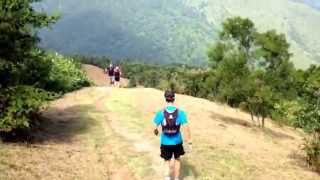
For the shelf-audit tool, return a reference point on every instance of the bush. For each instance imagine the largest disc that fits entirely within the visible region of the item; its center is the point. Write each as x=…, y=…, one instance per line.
x=38, y=77
x=285, y=112
x=308, y=118
x=35, y=70
x=19, y=106
x=312, y=151
x=65, y=74
x=27, y=72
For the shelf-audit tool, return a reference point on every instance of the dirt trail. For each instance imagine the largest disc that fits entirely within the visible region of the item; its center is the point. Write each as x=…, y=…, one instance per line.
x=139, y=143
x=106, y=133
x=98, y=76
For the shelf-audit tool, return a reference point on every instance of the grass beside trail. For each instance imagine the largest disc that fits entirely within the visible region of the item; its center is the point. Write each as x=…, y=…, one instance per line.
x=130, y=116
x=130, y=121
x=220, y=164
x=205, y=162
x=120, y=151
x=2, y=168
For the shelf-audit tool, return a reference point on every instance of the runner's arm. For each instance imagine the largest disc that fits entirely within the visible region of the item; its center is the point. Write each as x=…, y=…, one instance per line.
x=157, y=122
x=187, y=133
x=156, y=130
x=185, y=127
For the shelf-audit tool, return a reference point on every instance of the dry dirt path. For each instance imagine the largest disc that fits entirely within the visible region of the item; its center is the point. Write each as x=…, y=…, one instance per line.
x=98, y=76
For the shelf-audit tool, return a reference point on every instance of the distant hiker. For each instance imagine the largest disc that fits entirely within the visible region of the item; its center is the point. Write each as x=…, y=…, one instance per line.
x=110, y=71
x=170, y=120
x=117, y=76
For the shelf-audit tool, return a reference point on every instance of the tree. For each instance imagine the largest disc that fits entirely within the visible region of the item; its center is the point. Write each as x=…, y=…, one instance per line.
x=240, y=29
x=259, y=97
x=18, y=37
x=217, y=53
x=21, y=63
x=274, y=59
x=233, y=74
x=231, y=59
x=309, y=116
x=192, y=83
x=274, y=49
x=252, y=68
x=237, y=32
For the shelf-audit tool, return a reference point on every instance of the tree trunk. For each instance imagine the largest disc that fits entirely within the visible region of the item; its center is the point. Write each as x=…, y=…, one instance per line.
x=252, y=118
x=262, y=121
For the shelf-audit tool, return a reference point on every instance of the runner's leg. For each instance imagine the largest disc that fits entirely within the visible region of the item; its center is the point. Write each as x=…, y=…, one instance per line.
x=167, y=170
x=112, y=80
x=177, y=165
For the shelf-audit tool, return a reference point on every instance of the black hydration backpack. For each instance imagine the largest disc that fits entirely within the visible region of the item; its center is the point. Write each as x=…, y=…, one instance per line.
x=110, y=71
x=170, y=126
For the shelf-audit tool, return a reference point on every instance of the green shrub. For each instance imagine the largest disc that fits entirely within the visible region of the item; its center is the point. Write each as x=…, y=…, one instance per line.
x=8, y=73
x=285, y=112
x=308, y=118
x=65, y=74
x=19, y=106
x=164, y=84
x=312, y=151
x=34, y=71
x=46, y=73
x=132, y=83
x=27, y=72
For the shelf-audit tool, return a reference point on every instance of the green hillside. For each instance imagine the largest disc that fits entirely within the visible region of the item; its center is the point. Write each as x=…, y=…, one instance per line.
x=175, y=30
x=297, y=20
x=160, y=31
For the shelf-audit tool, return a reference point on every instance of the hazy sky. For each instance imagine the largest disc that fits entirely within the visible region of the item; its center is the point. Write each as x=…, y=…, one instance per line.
x=312, y=3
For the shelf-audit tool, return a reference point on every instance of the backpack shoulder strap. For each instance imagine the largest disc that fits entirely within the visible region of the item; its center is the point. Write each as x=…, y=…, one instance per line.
x=167, y=114
x=175, y=113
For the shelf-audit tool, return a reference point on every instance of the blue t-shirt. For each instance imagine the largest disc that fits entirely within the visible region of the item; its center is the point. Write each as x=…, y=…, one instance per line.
x=181, y=119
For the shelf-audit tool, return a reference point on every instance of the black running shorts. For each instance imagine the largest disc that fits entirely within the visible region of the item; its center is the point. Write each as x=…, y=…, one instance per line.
x=168, y=151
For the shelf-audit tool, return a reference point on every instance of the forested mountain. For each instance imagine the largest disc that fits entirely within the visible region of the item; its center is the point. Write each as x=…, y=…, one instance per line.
x=296, y=18
x=175, y=30
x=154, y=30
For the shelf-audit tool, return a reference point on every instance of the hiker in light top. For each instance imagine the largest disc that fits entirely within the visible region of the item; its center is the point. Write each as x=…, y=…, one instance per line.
x=170, y=120
x=117, y=76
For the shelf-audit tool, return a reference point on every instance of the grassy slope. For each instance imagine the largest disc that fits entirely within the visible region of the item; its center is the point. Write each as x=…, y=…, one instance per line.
x=101, y=133
x=225, y=146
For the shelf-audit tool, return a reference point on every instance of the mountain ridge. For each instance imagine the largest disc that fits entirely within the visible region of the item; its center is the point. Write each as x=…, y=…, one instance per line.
x=176, y=31
x=294, y=19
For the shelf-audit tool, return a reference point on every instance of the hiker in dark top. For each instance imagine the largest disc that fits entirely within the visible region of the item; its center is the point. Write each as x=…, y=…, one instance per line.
x=110, y=71
x=170, y=120
x=117, y=76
